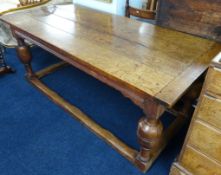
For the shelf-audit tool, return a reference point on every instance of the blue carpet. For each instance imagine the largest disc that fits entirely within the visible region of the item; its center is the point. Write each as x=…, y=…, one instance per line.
x=39, y=138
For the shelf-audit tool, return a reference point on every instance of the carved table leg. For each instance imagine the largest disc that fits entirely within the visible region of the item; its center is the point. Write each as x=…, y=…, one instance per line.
x=3, y=66
x=149, y=133
x=25, y=57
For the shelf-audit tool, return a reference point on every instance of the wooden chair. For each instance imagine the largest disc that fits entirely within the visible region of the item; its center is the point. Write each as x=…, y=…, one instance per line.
x=148, y=13
x=31, y=2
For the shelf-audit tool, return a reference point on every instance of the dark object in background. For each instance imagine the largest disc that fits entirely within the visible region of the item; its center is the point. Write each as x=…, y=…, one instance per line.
x=201, y=17
x=4, y=69
x=148, y=13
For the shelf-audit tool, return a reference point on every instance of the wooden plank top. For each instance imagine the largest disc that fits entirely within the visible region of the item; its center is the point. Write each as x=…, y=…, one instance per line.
x=155, y=61
x=201, y=18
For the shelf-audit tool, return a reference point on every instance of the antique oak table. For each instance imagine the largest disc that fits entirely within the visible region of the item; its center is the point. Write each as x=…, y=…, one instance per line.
x=156, y=68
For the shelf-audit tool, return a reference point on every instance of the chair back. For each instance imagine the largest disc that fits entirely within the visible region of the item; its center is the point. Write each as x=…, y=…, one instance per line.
x=148, y=13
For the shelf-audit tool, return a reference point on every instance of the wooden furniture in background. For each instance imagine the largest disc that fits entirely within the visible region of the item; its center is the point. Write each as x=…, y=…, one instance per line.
x=201, y=153
x=156, y=68
x=31, y=2
x=6, y=38
x=4, y=68
x=10, y=6
x=148, y=13
x=201, y=17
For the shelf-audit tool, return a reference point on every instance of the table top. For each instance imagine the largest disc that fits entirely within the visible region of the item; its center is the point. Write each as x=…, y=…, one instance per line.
x=155, y=61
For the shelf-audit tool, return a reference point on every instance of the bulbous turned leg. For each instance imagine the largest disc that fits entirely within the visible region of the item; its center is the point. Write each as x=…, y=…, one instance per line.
x=4, y=68
x=25, y=57
x=149, y=133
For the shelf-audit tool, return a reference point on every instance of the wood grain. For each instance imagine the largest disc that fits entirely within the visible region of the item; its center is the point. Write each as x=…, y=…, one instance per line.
x=214, y=82
x=142, y=56
x=210, y=111
x=197, y=163
x=50, y=69
x=210, y=146
x=146, y=63
x=121, y=147
x=201, y=18
x=201, y=152
x=176, y=169
x=216, y=61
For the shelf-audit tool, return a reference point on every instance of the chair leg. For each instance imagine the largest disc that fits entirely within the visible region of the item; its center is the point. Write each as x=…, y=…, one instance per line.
x=4, y=69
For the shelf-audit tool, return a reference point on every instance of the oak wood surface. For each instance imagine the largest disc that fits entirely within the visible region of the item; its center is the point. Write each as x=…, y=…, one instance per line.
x=120, y=146
x=210, y=146
x=201, y=152
x=214, y=82
x=153, y=66
x=146, y=58
x=152, y=140
x=198, y=17
x=176, y=169
x=198, y=163
x=217, y=61
x=210, y=111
